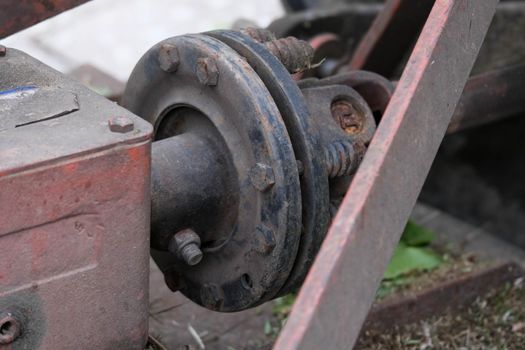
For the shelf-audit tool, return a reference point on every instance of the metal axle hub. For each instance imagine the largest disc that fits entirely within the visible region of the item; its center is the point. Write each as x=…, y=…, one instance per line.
x=247, y=167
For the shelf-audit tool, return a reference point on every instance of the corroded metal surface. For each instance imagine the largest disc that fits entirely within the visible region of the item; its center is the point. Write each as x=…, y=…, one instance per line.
x=74, y=243
x=304, y=135
x=21, y=14
x=249, y=222
x=340, y=287
x=244, y=159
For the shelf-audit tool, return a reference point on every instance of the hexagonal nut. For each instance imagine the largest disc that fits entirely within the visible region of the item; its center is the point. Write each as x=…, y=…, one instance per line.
x=262, y=177
x=168, y=56
x=183, y=238
x=185, y=244
x=264, y=239
x=121, y=124
x=207, y=71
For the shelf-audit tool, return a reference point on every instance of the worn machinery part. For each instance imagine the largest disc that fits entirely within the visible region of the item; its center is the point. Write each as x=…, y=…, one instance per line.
x=295, y=55
x=346, y=140
x=374, y=88
x=75, y=204
x=329, y=50
x=240, y=162
x=304, y=135
x=260, y=35
x=249, y=218
x=354, y=119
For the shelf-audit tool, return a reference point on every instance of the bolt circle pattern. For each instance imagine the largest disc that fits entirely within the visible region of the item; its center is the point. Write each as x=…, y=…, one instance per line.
x=245, y=115
x=304, y=135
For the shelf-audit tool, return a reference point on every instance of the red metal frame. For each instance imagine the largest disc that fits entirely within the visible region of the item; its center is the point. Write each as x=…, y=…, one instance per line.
x=340, y=288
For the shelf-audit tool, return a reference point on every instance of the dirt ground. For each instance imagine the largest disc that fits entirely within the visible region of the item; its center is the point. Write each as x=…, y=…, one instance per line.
x=180, y=324
x=496, y=321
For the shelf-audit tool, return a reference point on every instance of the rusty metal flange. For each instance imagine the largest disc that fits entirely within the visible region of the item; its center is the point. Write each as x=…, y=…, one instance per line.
x=304, y=134
x=209, y=92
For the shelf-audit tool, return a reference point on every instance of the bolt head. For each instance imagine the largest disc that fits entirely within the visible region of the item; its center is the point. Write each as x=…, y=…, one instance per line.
x=169, y=59
x=348, y=118
x=262, y=177
x=191, y=254
x=264, y=239
x=185, y=245
x=121, y=124
x=9, y=328
x=207, y=71
x=261, y=35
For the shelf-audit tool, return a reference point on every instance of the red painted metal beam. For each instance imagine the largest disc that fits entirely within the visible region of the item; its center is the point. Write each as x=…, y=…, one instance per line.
x=16, y=15
x=340, y=288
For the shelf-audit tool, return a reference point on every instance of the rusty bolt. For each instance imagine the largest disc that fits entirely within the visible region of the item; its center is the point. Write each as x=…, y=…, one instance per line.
x=9, y=328
x=120, y=124
x=168, y=57
x=347, y=117
x=185, y=244
x=207, y=71
x=260, y=35
x=264, y=239
x=3, y=50
x=295, y=55
x=262, y=177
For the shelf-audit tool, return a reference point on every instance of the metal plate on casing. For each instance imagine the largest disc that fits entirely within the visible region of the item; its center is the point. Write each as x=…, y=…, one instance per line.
x=38, y=104
x=303, y=133
x=26, y=105
x=256, y=259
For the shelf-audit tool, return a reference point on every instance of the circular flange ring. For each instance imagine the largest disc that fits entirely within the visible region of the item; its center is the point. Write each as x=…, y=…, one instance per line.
x=305, y=140
x=253, y=263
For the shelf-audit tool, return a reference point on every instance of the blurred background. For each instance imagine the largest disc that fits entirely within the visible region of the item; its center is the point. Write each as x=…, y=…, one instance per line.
x=113, y=34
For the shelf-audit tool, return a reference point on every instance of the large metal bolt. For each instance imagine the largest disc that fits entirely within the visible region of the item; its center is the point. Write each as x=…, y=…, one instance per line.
x=185, y=244
x=3, y=50
x=295, y=55
x=347, y=117
x=207, y=71
x=9, y=328
x=260, y=35
x=121, y=124
x=343, y=158
x=169, y=59
x=264, y=239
